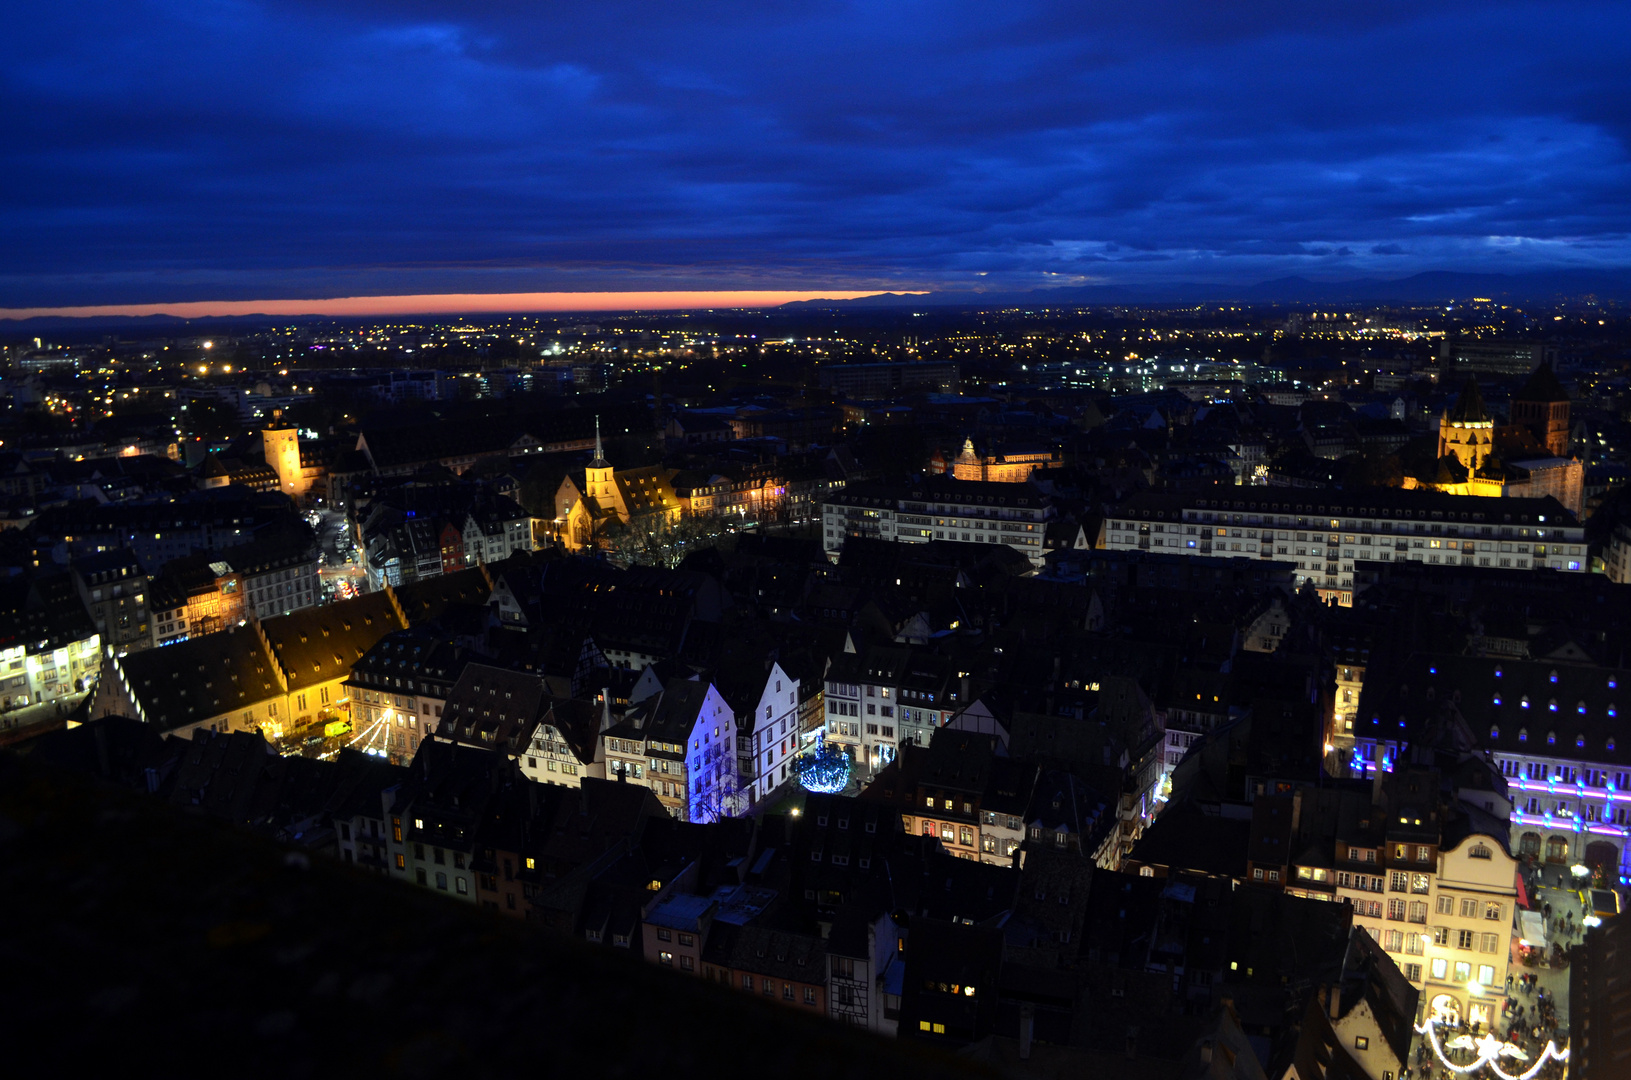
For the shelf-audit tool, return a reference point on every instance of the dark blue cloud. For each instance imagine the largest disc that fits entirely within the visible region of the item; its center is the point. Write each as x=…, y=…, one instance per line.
x=188, y=149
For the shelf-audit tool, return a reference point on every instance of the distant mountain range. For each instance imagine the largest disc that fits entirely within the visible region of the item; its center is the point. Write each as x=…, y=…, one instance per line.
x=1426, y=288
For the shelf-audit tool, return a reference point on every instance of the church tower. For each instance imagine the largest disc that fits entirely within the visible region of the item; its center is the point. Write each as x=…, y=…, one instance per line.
x=1465, y=430
x=598, y=476
x=1542, y=406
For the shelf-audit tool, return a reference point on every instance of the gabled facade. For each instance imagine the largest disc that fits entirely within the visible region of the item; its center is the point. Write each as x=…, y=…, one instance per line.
x=682, y=744
x=771, y=731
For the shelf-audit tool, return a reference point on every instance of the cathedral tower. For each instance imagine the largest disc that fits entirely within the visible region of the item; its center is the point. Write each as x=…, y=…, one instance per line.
x=1465, y=430
x=1542, y=406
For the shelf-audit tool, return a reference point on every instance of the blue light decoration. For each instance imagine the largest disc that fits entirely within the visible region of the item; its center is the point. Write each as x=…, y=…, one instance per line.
x=826, y=771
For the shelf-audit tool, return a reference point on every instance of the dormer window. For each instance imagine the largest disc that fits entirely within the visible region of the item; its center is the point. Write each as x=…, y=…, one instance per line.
x=1494, y=731
x=1551, y=738
x=1581, y=708
x=1523, y=734
x=1497, y=673
x=1580, y=742
x=1552, y=677
x=1524, y=704
x=1552, y=705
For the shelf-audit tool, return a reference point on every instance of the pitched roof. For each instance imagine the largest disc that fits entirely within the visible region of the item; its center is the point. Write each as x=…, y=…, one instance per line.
x=199, y=678
x=320, y=644
x=1542, y=386
x=1469, y=406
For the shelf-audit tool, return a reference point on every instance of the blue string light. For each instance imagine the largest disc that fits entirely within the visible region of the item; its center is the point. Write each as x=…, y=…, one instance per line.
x=825, y=772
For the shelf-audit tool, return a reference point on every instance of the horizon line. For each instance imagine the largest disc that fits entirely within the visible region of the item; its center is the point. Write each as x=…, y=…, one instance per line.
x=451, y=304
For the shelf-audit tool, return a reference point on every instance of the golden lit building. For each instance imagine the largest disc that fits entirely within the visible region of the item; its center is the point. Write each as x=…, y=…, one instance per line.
x=297, y=473
x=1466, y=433
x=632, y=496
x=194, y=595
x=1008, y=466
x=1523, y=459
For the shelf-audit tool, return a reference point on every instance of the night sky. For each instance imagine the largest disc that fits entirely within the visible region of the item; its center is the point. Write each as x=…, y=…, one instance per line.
x=203, y=150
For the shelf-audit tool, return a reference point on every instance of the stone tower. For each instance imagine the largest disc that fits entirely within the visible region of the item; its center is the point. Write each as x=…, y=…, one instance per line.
x=1542, y=406
x=1465, y=430
x=281, y=446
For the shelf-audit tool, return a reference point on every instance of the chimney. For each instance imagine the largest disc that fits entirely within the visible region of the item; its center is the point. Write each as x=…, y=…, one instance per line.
x=1027, y=1028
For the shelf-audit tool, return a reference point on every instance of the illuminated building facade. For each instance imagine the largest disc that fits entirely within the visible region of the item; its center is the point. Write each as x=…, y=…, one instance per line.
x=1325, y=532
x=1012, y=465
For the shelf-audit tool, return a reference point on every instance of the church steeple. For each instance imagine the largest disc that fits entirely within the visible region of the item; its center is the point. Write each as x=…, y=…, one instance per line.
x=600, y=454
x=598, y=476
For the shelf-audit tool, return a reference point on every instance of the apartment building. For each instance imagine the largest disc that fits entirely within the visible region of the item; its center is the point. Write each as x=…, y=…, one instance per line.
x=114, y=590
x=552, y=740
x=399, y=689
x=50, y=651
x=963, y=791
x=889, y=697
x=1617, y=554
x=1553, y=731
x=682, y=744
x=1326, y=532
x=1475, y=900
x=1429, y=880
x=770, y=734
x=1426, y=871
x=940, y=508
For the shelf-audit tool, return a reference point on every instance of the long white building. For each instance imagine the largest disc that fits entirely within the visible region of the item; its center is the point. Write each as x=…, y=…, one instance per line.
x=1326, y=532
x=939, y=508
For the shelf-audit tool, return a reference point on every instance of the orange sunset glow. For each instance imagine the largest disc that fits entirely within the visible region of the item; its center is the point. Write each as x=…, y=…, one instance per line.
x=447, y=303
